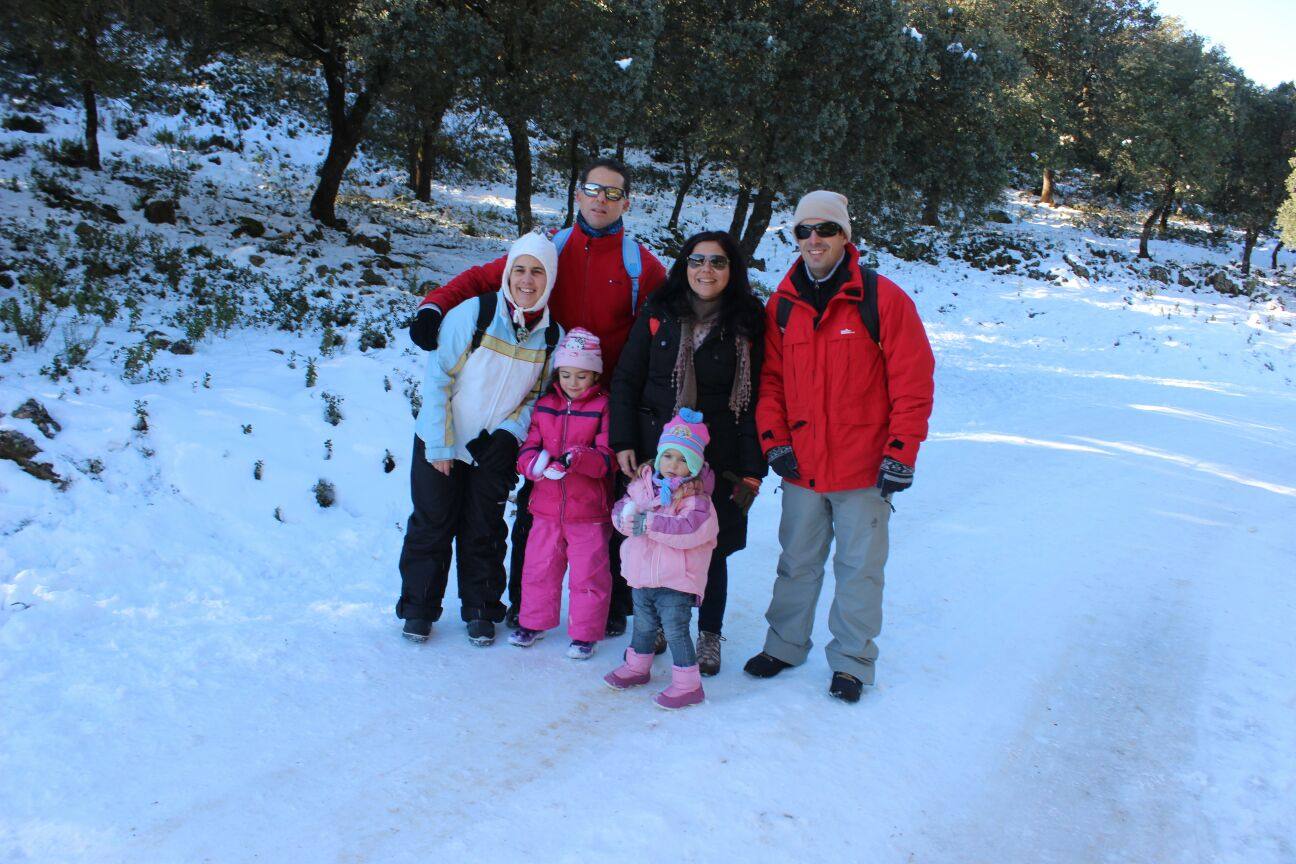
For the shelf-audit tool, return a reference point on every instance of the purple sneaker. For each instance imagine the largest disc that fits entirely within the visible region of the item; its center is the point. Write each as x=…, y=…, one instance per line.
x=685, y=689
x=524, y=638
x=636, y=670
x=580, y=650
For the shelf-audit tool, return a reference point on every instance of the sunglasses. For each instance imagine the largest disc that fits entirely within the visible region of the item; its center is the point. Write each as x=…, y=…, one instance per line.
x=717, y=262
x=823, y=229
x=611, y=193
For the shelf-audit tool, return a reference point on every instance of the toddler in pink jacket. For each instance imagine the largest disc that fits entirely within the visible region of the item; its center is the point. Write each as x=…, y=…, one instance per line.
x=566, y=453
x=671, y=528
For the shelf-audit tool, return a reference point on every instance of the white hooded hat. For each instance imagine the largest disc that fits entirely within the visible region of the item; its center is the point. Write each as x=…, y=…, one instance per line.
x=543, y=250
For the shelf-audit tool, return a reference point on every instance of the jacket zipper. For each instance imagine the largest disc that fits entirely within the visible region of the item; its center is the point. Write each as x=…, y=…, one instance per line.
x=562, y=442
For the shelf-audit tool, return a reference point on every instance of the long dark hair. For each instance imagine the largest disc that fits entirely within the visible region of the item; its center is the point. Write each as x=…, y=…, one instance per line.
x=738, y=311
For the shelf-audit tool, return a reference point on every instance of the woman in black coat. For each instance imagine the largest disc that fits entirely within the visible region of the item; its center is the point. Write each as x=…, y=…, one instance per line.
x=698, y=344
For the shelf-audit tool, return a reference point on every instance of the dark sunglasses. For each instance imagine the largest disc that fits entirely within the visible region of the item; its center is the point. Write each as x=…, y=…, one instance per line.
x=823, y=229
x=611, y=193
x=717, y=262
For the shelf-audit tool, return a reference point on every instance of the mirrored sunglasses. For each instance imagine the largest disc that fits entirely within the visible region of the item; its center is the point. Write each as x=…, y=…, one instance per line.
x=611, y=193
x=717, y=262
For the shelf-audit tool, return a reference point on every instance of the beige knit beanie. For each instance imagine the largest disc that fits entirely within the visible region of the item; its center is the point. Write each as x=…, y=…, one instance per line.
x=823, y=205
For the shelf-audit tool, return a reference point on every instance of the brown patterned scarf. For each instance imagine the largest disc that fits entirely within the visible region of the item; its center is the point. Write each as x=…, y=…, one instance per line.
x=693, y=331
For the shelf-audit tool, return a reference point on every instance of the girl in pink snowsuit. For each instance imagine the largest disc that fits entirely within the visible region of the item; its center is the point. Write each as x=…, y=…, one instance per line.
x=566, y=453
x=671, y=529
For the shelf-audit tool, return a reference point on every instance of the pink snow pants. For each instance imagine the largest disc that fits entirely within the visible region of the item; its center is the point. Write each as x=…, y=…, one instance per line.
x=551, y=547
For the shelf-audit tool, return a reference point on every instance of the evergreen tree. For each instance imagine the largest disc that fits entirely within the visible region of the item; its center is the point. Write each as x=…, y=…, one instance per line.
x=358, y=45
x=1287, y=213
x=1261, y=139
x=1074, y=49
x=951, y=150
x=90, y=48
x=795, y=124
x=1172, y=113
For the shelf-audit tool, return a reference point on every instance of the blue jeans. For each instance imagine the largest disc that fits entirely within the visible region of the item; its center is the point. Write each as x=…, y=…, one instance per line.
x=670, y=610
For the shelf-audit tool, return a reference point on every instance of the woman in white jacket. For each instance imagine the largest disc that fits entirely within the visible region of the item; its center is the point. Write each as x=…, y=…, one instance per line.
x=491, y=363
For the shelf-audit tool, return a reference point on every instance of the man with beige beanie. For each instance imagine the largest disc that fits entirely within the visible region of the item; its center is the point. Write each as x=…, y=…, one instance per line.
x=846, y=390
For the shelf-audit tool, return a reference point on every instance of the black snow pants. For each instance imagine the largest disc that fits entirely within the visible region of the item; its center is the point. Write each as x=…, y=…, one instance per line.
x=466, y=508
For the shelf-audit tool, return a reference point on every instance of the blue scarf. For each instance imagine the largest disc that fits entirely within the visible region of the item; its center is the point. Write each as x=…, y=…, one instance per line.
x=666, y=487
x=614, y=228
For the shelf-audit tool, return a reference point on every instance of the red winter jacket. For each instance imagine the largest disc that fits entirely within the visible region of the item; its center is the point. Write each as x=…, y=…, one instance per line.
x=839, y=399
x=560, y=426
x=592, y=291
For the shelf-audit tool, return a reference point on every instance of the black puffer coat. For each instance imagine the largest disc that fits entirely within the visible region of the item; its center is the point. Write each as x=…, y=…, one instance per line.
x=643, y=399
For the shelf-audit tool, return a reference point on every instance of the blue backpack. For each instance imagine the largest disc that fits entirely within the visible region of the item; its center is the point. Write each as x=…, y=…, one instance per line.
x=631, y=259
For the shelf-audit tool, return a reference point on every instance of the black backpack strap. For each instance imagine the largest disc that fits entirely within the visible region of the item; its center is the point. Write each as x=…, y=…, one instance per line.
x=551, y=338
x=783, y=312
x=868, y=307
x=485, y=312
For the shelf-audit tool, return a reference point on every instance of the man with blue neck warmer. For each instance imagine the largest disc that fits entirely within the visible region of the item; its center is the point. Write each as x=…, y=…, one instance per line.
x=593, y=290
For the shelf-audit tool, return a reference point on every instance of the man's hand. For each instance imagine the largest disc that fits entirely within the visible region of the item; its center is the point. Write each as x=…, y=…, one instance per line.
x=425, y=327
x=443, y=465
x=629, y=464
x=783, y=461
x=894, y=476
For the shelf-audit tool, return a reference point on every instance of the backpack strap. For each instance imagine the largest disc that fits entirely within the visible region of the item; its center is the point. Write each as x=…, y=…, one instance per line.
x=560, y=239
x=782, y=313
x=868, y=307
x=632, y=260
x=551, y=338
x=486, y=305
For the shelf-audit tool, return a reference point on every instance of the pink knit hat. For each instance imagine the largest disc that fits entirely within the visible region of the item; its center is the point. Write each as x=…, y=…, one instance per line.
x=687, y=434
x=579, y=349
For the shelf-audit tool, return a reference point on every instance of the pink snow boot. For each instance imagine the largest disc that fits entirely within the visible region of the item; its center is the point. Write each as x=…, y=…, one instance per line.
x=636, y=670
x=685, y=688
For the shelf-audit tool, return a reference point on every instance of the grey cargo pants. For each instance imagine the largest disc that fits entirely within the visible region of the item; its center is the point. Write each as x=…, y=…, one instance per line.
x=858, y=519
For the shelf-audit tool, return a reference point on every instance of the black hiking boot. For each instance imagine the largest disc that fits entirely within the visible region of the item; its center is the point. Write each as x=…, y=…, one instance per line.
x=481, y=632
x=417, y=629
x=846, y=687
x=511, y=619
x=765, y=666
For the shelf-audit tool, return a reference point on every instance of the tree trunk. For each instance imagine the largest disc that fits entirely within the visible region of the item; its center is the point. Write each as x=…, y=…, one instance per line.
x=413, y=163
x=1046, y=191
x=740, y=209
x=1167, y=198
x=346, y=129
x=1165, y=216
x=931, y=209
x=91, y=124
x=620, y=151
x=1273, y=262
x=573, y=175
x=689, y=177
x=762, y=210
x=521, y=139
x=426, y=162
x=1248, y=245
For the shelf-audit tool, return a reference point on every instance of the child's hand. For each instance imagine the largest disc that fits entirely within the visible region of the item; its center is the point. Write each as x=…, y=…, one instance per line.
x=555, y=471
x=537, y=467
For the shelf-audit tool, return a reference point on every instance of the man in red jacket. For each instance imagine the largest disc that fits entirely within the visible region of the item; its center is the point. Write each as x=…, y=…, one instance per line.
x=594, y=291
x=845, y=394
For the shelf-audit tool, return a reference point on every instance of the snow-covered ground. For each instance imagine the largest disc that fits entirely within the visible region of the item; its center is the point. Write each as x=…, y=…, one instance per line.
x=1087, y=657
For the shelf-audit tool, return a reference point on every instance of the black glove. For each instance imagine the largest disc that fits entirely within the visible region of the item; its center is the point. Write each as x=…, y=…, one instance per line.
x=496, y=450
x=894, y=476
x=783, y=461
x=425, y=327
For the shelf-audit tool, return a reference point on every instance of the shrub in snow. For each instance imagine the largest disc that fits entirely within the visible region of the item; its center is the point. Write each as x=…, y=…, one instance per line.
x=141, y=417
x=258, y=470
x=332, y=408
x=312, y=374
x=325, y=494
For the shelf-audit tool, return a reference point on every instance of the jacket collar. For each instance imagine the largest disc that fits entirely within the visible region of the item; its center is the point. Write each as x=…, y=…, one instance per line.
x=852, y=289
x=590, y=395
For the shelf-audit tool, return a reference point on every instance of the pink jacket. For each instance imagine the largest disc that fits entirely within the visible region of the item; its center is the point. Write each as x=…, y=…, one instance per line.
x=578, y=432
x=675, y=549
